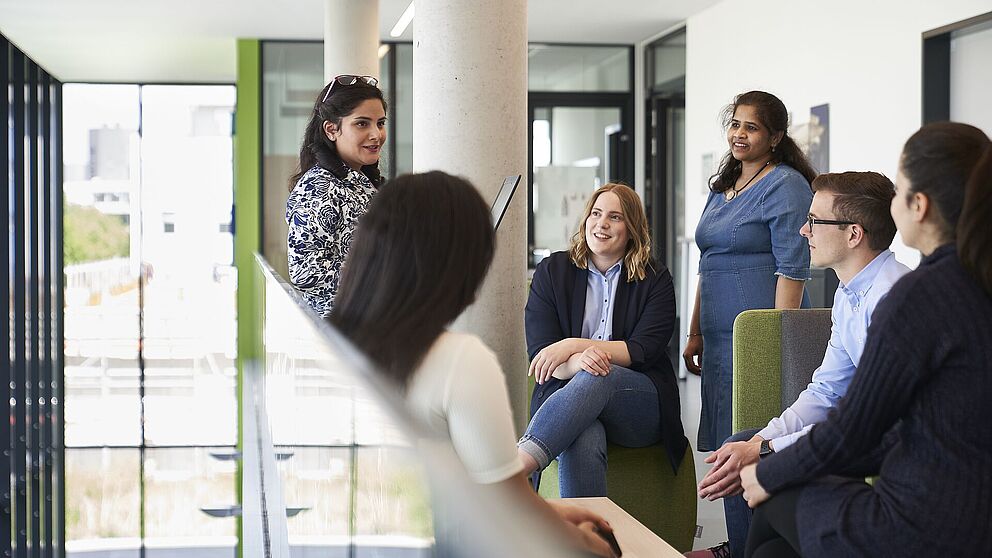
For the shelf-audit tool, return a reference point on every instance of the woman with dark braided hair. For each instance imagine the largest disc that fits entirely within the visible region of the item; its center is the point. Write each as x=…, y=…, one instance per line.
x=337, y=177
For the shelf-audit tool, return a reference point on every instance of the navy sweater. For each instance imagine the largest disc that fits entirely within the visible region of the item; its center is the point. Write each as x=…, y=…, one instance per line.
x=924, y=384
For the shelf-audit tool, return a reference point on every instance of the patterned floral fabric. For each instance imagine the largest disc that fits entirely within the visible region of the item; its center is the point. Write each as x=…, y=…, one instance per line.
x=322, y=212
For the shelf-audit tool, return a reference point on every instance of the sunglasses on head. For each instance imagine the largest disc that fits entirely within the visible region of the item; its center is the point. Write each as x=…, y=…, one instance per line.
x=348, y=79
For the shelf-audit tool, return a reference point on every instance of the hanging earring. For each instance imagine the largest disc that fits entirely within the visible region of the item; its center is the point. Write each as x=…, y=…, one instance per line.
x=773, y=149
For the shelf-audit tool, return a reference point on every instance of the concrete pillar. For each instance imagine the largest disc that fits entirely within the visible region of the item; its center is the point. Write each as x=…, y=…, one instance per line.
x=351, y=38
x=470, y=119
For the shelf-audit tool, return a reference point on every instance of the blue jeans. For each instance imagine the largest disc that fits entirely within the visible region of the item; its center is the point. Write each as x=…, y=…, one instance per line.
x=576, y=421
x=735, y=508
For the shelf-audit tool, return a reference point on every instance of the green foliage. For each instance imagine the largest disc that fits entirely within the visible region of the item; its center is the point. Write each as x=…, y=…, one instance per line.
x=91, y=235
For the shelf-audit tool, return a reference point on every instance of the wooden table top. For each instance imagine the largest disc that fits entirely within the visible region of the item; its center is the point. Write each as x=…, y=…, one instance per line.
x=636, y=540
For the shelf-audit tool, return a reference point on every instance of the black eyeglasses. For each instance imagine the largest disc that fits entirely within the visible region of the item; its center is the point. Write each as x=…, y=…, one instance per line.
x=348, y=79
x=810, y=220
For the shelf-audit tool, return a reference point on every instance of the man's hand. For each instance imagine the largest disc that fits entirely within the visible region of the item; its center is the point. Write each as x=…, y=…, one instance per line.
x=754, y=493
x=549, y=358
x=724, y=479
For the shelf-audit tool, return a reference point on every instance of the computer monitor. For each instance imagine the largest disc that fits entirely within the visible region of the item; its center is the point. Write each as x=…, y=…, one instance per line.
x=502, y=200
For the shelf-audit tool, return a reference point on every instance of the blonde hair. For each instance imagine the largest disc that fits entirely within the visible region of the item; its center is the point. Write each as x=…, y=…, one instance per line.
x=637, y=257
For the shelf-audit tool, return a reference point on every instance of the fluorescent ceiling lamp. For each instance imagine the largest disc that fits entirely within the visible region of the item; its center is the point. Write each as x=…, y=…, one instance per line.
x=402, y=22
x=383, y=50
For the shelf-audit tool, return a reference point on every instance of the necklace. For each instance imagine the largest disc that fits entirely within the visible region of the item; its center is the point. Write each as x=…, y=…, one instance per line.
x=731, y=194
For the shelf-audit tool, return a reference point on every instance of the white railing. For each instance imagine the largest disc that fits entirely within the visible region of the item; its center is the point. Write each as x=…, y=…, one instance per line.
x=97, y=277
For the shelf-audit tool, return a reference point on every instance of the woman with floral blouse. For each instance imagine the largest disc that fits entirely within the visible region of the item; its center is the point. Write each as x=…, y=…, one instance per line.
x=338, y=175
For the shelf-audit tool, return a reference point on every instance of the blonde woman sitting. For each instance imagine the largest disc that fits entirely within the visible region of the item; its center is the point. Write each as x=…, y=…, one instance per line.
x=598, y=321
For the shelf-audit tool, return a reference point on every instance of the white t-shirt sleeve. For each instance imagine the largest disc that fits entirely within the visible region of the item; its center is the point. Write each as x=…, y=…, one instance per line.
x=480, y=421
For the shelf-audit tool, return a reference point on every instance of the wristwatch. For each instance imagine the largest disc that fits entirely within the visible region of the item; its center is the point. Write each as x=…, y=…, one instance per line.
x=766, y=449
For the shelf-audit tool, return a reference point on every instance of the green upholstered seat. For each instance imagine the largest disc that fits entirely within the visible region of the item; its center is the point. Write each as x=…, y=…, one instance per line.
x=641, y=481
x=775, y=355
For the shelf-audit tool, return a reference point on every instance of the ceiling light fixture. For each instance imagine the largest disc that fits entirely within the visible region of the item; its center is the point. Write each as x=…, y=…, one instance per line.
x=402, y=22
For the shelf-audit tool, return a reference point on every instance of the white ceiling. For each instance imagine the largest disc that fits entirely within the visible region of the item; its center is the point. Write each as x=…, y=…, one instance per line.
x=194, y=40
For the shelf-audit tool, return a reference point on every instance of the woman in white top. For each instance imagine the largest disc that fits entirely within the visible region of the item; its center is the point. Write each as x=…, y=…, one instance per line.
x=419, y=256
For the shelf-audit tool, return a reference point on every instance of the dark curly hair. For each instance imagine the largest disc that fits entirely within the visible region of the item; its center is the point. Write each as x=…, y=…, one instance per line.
x=773, y=114
x=316, y=148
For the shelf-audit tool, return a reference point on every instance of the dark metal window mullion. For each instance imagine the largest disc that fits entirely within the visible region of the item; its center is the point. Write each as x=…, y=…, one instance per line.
x=141, y=322
x=32, y=405
x=47, y=368
x=5, y=278
x=20, y=497
x=58, y=387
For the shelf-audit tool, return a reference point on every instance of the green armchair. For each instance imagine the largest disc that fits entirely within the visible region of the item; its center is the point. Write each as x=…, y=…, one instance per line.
x=641, y=481
x=775, y=355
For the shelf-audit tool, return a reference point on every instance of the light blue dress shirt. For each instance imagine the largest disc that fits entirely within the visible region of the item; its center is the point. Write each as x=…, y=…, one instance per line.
x=601, y=294
x=854, y=304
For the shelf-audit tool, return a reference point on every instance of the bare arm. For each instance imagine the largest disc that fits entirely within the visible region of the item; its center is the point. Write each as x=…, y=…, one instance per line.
x=694, y=320
x=619, y=354
x=574, y=347
x=788, y=293
x=693, y=354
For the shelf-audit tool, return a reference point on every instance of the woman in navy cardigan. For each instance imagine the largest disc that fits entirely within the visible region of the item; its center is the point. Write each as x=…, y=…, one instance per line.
x=598, y=322
x=917, y=413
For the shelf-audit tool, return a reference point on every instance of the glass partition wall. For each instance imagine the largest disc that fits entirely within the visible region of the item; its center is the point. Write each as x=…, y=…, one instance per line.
x=581, y=129
x=292, y=75
x=664, y=187
x=581, y=135
x=336, y=467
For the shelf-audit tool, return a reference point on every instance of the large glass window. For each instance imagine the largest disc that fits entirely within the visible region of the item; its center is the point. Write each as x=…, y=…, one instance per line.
x=102, y=265
x=188, y=301
x=581, y=131
x=149, y=319
x=664, y=188
x=571, y=149
x=666, y=65
x=578, y=68
x=581, y=140
x=971, y=75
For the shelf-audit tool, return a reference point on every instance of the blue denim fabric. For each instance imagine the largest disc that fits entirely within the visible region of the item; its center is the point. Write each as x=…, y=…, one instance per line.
x=744, y=245
x=577, y=420
x=735, y=508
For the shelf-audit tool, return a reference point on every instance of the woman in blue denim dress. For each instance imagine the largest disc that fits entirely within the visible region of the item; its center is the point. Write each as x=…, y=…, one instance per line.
x=751, y=253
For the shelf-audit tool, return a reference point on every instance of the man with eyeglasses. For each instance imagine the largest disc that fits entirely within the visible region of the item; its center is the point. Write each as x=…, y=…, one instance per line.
x=849, y=229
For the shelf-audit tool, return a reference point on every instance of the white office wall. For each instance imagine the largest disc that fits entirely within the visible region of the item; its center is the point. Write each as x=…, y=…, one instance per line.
x=864, y=58
x=971, y=77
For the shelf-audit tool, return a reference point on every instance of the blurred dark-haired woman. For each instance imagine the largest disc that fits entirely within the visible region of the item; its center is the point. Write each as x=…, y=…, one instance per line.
x=337, y=177
x=750, y=254
x=420, y=255
x=917, y=413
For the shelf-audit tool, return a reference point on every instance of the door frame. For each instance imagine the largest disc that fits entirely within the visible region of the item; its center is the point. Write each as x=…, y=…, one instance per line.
x=550, y=100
